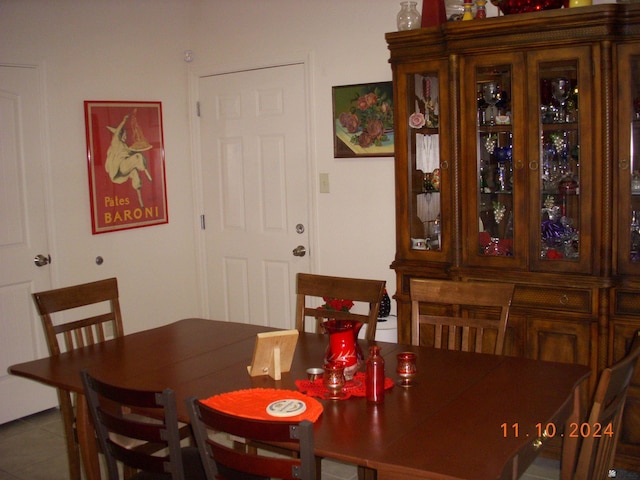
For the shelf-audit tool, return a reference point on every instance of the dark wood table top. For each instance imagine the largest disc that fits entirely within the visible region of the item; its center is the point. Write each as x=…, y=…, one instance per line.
x=447, y=426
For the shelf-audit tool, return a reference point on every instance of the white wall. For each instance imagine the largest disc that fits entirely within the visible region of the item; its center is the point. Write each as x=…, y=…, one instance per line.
x=112, y=50
x=133, y=50
x=344, y=40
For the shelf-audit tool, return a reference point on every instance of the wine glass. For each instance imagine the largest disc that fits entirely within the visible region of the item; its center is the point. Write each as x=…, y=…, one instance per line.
x=491, y=95
x=560, y=92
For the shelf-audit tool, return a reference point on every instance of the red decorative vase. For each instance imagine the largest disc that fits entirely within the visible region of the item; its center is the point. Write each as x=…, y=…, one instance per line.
x=508, y=7
x=433, y=13
x=343, y=345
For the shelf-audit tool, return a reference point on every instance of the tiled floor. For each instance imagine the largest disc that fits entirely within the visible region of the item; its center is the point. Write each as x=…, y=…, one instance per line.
x=33, y=448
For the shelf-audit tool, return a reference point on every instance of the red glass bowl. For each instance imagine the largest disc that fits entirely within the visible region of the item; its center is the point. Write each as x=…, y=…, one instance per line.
x=507, y=7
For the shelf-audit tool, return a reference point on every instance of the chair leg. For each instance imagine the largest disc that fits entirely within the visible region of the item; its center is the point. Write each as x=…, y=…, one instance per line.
x=73, y=451
x=365, y=473
x=318, y=468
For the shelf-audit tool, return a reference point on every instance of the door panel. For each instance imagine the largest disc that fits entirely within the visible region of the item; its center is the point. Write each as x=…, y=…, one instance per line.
x=23, y=235
x=253, y=128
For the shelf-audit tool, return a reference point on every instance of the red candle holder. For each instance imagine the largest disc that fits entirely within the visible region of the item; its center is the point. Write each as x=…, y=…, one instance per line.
x=406, y=368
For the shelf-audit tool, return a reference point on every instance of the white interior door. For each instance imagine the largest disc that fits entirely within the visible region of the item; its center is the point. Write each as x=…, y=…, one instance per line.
x=253, y=127
x=23, y=235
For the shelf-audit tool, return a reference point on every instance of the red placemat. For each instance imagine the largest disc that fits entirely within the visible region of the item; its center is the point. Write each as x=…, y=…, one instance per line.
x=253, y=403
x=354, y=387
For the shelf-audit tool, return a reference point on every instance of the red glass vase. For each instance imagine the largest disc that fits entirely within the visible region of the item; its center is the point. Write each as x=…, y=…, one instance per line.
x=343, y=345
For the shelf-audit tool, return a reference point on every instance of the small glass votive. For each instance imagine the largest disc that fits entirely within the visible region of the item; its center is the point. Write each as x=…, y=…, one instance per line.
x=334, y=380
x=406, y=368
x=315, y=373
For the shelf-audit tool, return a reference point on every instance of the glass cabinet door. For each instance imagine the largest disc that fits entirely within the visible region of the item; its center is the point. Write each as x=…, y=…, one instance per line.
x=560, y=165
x=428, y=165
x=493, y=161
x=628, y=189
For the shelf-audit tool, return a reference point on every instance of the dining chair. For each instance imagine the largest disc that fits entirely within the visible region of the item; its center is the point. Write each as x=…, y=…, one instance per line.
x=355, y=289
x=597, y=452
x=467, y=316
x=223, y=460
x=78, y=329
x=149, y=443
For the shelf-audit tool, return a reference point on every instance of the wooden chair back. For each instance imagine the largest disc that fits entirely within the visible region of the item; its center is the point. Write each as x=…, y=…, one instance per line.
x=227, y=462
x=81, y=331
x=598, y=449
x=117, y=429
x=77, y=333
x=465, y=312
x=354, y=289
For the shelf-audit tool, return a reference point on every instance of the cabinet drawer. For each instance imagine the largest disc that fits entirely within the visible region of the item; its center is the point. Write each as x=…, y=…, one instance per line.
x=627, y=302
x=565, y=299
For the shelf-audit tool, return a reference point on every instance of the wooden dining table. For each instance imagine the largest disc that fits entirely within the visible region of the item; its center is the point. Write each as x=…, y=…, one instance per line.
x=468, y=416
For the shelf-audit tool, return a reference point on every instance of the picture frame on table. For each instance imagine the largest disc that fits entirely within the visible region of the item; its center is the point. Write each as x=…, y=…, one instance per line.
x=363, y=120
x=126, y=164
x=273, y=353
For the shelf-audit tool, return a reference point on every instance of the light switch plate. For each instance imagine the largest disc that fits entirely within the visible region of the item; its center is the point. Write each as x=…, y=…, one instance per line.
x=324, y=183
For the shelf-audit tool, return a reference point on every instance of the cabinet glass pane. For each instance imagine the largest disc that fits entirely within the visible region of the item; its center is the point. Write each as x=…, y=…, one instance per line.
x=559, y=180
x=424, y=150
x=495, y=161
x=634, y=121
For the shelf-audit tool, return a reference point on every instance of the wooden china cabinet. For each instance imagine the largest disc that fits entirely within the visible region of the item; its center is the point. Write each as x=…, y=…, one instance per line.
x=517, y=143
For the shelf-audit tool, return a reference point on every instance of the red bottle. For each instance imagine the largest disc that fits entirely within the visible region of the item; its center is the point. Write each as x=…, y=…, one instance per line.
x=374, y=383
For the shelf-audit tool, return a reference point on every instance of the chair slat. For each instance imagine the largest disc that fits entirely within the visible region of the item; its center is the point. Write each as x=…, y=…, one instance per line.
x=309, y=286
x=64, y=302
x=464, y=331
x=597, y=453
x=224, y=463
x=147, y=439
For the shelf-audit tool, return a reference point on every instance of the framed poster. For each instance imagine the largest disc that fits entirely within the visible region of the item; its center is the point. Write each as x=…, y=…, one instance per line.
x=125, y=155
x=363, y=120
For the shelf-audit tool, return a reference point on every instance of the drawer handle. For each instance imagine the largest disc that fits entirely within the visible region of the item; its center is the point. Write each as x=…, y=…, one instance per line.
x=564, y=299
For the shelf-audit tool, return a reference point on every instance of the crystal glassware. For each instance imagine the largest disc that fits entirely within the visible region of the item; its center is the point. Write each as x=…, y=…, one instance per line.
x=491, y=95
x=560, y=92
x=408, y=17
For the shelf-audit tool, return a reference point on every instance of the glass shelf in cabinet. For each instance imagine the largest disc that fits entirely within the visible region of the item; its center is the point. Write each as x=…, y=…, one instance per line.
x=495, y=128
x=560, y=127
x=495, y=192
x=426, y=130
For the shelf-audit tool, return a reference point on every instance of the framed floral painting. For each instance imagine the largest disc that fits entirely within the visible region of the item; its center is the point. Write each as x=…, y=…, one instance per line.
x=125, y=155
x=363, y=120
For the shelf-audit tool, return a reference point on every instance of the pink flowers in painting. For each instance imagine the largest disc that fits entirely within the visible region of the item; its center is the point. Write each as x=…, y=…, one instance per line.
x=369, y=117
